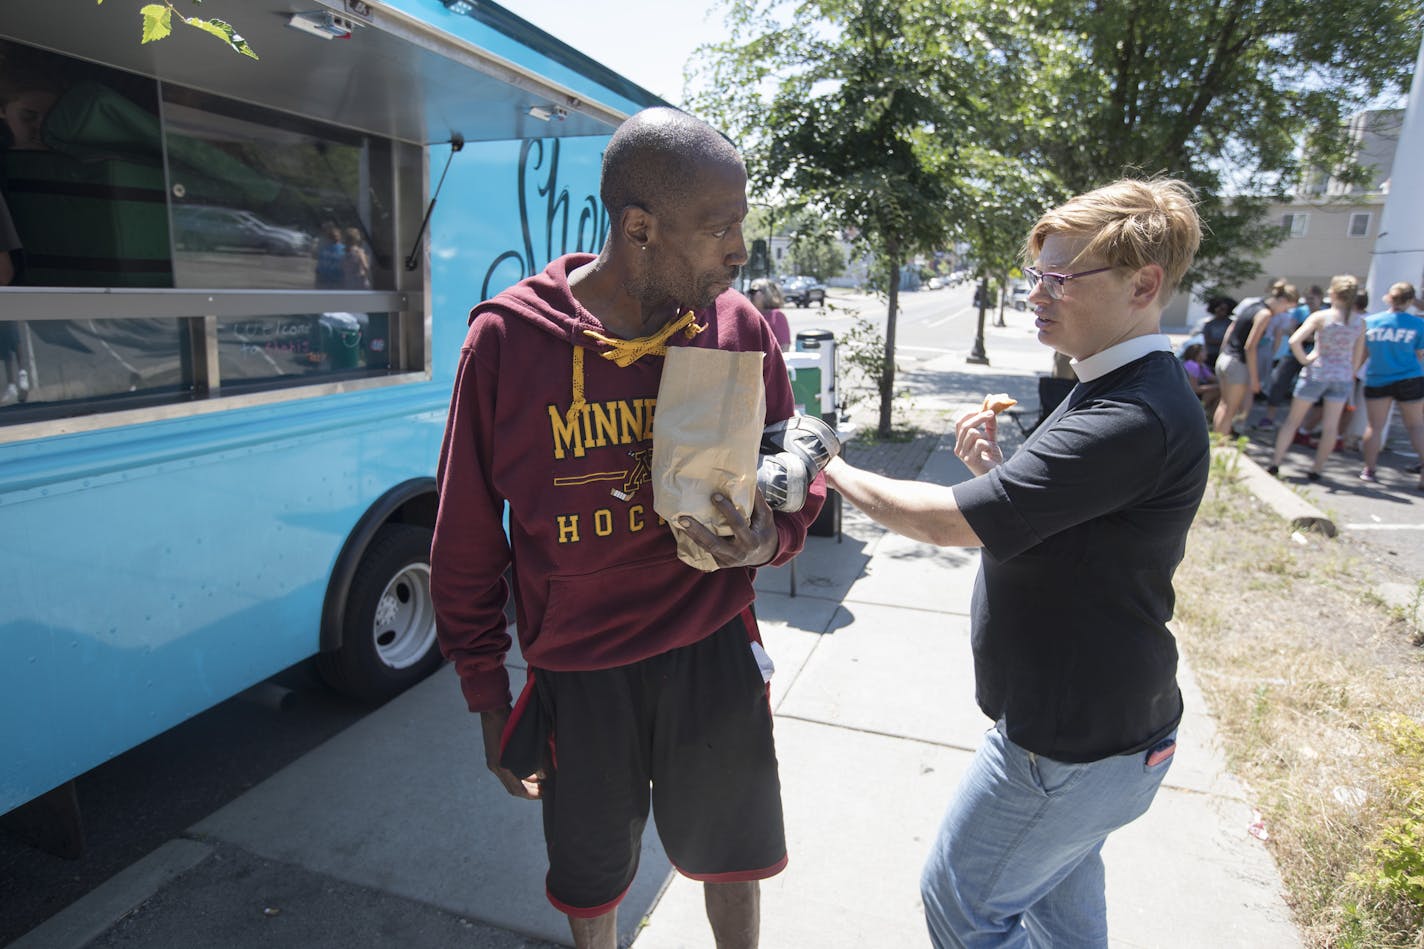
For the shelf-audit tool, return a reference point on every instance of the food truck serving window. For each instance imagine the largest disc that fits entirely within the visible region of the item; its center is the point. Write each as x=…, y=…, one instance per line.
x=237, y=248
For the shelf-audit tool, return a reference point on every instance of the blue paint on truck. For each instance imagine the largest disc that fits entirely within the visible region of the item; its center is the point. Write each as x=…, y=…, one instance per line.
x=218, y=464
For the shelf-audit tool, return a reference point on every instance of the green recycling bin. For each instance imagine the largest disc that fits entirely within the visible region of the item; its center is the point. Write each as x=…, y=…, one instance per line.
x=805, y=372
x=339, y=340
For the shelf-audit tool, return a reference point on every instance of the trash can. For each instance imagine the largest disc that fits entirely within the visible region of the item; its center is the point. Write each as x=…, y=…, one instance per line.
x=822, y=344
x=805, y=372
x=339, y=340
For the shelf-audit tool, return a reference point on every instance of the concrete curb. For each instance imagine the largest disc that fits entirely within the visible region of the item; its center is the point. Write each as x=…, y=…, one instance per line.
x=1301, y=514
x=91, y=916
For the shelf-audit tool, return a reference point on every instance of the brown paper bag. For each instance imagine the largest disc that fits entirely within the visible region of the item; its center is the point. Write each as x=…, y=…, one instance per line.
x=709, y=419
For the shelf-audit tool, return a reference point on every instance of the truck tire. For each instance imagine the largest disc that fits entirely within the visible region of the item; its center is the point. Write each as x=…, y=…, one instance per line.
x=388, y=635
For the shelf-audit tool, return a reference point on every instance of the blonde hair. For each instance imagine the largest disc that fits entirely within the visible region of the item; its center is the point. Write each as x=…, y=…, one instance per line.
x=1343, y=288
x=1401, y=293
x=1281, y=290
x=1129, y=223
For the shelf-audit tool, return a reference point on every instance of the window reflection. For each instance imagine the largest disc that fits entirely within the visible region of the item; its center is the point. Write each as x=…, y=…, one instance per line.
x=81, y=167
x=276, y=202
x=268, y=349
x=69, y=360
x=111, y=179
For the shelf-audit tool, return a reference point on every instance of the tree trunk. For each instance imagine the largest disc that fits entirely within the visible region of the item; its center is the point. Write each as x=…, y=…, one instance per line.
x=887, y=371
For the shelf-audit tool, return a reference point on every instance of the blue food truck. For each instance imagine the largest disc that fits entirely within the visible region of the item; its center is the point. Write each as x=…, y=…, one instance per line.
x=229, y=326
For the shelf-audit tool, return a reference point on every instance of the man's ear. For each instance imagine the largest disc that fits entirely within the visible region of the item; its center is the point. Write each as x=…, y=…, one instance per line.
x=636, y=225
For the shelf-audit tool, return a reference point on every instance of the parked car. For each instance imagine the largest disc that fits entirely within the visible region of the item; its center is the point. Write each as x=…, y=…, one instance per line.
x=803, y=291
x=202, y=227
x=1018, y=296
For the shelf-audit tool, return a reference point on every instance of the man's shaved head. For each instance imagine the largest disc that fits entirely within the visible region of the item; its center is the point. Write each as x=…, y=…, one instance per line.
x=654, y=158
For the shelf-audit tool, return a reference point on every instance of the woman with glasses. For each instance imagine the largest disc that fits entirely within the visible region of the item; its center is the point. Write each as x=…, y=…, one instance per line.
x=1081, y=531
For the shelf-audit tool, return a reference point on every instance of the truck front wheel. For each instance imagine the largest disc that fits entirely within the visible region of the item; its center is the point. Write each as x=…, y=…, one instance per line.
x=388, y=637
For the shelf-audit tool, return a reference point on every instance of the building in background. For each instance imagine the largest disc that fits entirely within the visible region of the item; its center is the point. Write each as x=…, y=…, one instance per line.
x=1330, y=225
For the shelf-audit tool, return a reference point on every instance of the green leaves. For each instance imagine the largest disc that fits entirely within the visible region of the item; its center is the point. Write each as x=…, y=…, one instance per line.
x=157, y=20
x=223, y=31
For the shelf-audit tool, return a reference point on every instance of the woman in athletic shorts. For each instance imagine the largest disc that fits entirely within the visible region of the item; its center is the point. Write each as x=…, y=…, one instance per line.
x=1395, y=340
x=1236, y=368
x=1328, y=371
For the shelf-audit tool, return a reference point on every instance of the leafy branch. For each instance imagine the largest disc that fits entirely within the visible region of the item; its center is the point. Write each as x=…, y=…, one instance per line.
x=158, y=23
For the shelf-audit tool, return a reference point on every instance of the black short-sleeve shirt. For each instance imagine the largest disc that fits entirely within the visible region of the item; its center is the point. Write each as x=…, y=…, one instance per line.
x=1082, y=530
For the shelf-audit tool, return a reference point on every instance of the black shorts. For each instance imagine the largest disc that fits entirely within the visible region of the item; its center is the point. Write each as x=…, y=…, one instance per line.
x=1405, y=390
x=1282, y=384
x=693, y=726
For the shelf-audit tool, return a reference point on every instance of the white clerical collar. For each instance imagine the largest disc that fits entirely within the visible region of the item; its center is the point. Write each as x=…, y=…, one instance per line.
x=1118, y=355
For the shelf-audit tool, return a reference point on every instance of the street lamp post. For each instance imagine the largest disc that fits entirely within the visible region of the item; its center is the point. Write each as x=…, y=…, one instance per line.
x=977, y=356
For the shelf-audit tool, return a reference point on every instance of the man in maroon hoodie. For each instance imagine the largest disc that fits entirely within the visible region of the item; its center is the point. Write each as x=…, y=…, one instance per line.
x=644, y=672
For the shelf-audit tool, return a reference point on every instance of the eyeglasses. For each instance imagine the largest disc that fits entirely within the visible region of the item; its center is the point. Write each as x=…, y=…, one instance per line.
x=1053, y=282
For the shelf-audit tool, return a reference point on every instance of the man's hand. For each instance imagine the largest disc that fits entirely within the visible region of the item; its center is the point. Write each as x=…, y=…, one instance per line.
x=751, y=544
x=492, y=725
x=977, y=441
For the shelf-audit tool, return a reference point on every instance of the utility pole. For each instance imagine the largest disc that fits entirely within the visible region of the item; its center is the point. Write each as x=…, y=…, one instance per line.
x=1399, y=249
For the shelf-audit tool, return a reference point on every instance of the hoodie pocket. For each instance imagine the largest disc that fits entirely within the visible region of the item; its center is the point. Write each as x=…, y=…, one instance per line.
x=590, y=619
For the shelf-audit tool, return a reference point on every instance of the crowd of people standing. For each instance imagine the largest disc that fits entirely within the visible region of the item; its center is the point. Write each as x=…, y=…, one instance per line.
x=1337, y=368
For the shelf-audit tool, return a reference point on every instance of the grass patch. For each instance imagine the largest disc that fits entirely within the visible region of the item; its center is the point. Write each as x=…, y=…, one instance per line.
x=1317, y=688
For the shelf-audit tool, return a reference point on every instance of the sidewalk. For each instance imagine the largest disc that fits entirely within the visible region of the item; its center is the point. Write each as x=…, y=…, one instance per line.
x=392, y=833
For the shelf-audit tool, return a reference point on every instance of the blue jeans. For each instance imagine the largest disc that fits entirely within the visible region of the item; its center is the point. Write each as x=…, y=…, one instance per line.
x=1018, y=859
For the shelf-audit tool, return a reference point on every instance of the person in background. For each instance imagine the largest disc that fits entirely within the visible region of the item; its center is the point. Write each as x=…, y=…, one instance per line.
x=1287, y=367
x=1327, y=372
x=1395, y=341
x=645, y=683
x=1213, y=331
x=356, y=261
x=1238, y=368
x=1081, y=531
x=330, y=258
x=1202, y=381
x=766, y=297
x=25, y=101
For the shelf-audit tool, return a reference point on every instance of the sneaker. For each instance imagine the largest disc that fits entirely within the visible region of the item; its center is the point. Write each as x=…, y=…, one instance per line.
x=1273, y=470
x=1301, y=438
x=1266, y=424
x=1368, y=474
x=11, y=394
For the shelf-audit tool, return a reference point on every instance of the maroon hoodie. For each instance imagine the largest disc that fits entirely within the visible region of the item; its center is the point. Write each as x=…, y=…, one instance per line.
x=567, y=440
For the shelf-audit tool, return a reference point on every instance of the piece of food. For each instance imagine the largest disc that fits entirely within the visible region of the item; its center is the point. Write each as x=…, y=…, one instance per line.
x=998, y=402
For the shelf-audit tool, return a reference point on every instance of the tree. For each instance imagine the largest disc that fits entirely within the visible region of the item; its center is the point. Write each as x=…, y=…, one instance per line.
x=813, y=248
x=158, y=23
x=996, y=200
x=848, y=130
x=1243, y=99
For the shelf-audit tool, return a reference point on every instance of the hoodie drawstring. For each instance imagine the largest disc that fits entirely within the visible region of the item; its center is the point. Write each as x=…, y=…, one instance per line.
x=625, y=352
